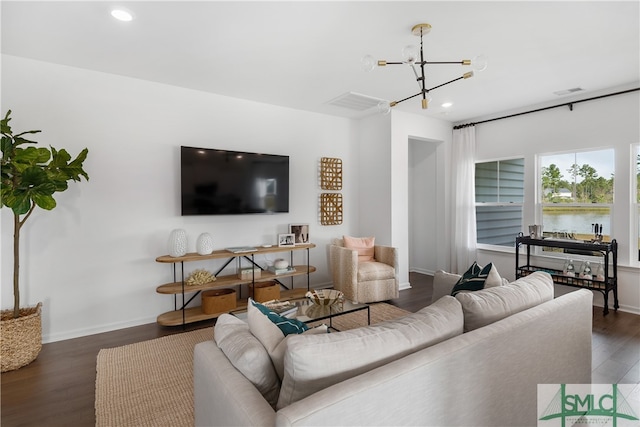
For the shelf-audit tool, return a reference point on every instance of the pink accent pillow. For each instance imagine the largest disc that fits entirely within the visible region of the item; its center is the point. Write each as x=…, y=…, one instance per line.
x=364, y=246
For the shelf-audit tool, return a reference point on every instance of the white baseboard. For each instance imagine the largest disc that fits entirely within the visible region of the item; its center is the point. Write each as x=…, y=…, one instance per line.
x=422, y=271
x=83, y=332
x=625, y=308
x=404, y=286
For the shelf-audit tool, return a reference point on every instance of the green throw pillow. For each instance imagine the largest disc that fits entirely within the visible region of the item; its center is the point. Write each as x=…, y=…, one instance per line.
x=473, y=279
x=286, y=325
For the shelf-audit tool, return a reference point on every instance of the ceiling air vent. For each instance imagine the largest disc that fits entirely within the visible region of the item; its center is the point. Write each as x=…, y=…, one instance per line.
x=568, y=91
x=355, y=101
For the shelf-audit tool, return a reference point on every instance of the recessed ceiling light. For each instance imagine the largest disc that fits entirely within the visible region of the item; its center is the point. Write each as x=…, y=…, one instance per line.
x=447, y=104
x=122, y=15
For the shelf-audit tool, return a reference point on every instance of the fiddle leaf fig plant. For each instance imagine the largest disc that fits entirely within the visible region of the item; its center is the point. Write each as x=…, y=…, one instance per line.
x=30, y=177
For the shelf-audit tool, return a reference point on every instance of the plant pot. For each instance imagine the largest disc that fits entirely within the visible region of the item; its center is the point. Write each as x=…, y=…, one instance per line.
x=21, y=338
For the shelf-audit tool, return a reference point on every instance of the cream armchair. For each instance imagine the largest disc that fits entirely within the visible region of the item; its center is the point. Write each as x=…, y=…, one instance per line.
x=367, y=281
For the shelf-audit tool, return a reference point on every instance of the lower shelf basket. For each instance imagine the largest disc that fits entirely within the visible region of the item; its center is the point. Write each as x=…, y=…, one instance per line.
x=218, y=300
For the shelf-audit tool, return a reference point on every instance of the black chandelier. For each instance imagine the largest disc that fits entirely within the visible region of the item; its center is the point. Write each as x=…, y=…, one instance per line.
x=410, y=57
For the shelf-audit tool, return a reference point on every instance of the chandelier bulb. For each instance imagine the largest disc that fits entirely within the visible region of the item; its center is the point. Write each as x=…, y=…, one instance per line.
x=384, y=107
x=479, y=63
x=410, y=54
x=368, y=63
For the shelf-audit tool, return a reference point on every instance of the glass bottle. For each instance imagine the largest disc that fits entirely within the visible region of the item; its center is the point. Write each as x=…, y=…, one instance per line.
x=569, y=268
x=587, y=273
x=600, y=272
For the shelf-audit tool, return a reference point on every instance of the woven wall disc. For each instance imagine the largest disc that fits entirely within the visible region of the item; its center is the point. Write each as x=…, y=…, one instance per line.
x=330, y=208
x=330, y=173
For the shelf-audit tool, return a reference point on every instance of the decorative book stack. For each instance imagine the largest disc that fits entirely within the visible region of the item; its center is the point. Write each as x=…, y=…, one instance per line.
x=278, y=271
x=282, y=308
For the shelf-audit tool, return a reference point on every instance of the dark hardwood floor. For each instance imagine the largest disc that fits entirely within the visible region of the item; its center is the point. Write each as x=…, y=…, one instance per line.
x=58, y=388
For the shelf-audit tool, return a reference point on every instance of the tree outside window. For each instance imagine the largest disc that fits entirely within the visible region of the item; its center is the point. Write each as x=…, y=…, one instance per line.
x=577, y=194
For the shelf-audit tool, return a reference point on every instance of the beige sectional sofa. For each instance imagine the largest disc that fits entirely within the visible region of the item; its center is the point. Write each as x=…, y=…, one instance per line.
x=472, y=360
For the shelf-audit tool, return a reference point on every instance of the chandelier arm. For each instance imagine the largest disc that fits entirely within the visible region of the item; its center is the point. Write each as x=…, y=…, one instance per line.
x=409, y=97
x=445, y=62
x=463, y=62
x=421, y=86
x=422, y=64
x=444, y=84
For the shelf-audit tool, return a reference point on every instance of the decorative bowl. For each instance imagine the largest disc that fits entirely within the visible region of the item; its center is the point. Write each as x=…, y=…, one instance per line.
x=324, y=296
x=280, y=264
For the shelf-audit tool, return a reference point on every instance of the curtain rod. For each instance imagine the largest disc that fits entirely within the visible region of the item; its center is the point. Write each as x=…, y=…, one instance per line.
x=566, y=104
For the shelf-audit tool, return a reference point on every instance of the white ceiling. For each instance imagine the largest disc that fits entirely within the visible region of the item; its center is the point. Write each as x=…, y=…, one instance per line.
x=304, y=54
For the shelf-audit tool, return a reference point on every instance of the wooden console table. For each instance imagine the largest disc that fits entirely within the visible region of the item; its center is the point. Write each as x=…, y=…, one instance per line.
x=183, y=315
x=608, y=250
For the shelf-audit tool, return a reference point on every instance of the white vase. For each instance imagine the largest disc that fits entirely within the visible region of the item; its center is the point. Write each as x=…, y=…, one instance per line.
x=204, y=244
x=178, y=243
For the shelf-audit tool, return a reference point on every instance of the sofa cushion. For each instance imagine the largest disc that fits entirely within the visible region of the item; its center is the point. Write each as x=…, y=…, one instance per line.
x=374, y=270
x=277, y=355
x=313, y=363
x=271, y=336
x=492, y=304
x=247, y=355
x=364, y=246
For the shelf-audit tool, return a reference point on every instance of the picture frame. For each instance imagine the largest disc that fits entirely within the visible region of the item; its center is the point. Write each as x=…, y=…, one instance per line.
x=286, y=240
x=301, y=233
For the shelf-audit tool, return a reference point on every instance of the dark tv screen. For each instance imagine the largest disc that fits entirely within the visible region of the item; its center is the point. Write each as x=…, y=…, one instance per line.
x=221, y=182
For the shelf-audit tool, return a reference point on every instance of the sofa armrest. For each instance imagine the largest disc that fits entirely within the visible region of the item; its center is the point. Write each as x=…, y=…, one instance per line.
x=344, y=268
x=387, y=255
x=222, y=395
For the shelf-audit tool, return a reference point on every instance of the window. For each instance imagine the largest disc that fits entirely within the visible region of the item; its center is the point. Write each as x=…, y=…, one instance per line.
x=576, y=194
x=499, y=188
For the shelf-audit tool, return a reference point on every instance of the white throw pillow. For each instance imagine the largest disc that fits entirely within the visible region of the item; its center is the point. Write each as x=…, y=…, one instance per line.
x=492, y=304
x=264, y=329
x=313, y=363
x=493, y=279
x=247, y=355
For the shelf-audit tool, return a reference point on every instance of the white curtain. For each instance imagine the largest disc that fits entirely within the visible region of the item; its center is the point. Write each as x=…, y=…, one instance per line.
x=463, y=153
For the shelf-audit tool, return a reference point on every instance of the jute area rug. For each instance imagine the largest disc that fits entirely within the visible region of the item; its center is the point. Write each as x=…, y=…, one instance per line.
x=150, y=383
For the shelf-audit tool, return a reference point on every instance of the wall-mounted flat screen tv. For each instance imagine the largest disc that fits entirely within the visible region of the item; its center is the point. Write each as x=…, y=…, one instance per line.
x=221, y=182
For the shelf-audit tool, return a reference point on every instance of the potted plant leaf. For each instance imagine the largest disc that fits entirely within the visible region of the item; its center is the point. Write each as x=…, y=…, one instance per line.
x=30, y=177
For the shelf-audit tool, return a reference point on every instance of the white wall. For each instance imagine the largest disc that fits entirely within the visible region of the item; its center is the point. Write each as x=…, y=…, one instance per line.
x=609, y=122
x=423, y=185
x=374, y=158
x=92, y=259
